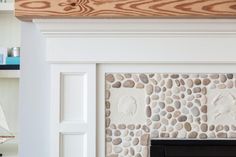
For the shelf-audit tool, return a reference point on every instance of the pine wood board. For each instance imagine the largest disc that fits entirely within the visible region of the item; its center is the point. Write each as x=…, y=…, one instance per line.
x=31, y=9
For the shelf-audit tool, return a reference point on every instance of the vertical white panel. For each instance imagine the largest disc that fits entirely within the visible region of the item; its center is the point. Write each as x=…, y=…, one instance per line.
x=73, y=110
x=73, y=105
x=73, y=145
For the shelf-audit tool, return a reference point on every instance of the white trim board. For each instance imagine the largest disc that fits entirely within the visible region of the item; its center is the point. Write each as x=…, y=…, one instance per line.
x=139, y=41
x=154, y=45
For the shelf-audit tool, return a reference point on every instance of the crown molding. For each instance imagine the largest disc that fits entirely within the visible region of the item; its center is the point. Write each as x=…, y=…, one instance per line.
x=136, y=27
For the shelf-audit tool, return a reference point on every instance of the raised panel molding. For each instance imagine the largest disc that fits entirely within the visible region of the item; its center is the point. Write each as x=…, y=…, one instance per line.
x=73, y=94
x=73, y=145
x=73, y=110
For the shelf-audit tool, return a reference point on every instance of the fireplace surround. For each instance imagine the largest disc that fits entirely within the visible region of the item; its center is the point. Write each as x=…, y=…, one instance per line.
x=145, y=106
x=81, y=53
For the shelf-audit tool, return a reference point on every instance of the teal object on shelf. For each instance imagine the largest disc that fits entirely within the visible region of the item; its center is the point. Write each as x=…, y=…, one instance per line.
x=13, y=60
x=1, y=58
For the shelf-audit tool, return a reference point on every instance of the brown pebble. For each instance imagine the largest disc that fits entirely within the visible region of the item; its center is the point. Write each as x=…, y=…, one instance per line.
x=197, y=82
x=110, y=78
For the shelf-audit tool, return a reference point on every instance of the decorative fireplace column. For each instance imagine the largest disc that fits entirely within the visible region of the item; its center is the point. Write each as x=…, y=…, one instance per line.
x=85, y=53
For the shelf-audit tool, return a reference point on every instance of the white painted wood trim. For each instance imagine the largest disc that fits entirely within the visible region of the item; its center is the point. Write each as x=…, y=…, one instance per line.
x=135, y=27
x=139, y=41
x=181, y=45
x=9, y=73
x=86, y=128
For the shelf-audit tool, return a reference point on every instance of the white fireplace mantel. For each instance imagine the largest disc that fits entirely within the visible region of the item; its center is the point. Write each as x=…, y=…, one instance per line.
x=163, y=41
x=80, y=50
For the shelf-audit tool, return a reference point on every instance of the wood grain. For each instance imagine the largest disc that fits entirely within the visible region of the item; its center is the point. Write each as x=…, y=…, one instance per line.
x=29, y=9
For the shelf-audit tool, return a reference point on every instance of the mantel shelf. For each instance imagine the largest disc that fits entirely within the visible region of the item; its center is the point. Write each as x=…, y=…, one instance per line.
x=34, y=9
x=6, y=7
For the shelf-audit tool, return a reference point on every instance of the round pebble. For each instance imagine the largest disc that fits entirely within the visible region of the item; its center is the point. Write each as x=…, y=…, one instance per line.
x=144, y=78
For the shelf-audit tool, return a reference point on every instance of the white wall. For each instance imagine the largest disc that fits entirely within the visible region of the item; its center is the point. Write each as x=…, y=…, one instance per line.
x=9, y=30
x=34, y=95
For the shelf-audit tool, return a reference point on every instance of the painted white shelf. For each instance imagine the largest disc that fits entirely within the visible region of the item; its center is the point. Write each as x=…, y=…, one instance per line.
x=9, y=73
x=6, y=7
x=9, y=149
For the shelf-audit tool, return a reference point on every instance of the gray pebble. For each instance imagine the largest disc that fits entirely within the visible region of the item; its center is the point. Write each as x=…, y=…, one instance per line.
x=177, y=104
x=131, y=151
x=212, y=127
x=230, y=76
x=119, y=77
x=174, y=76
x=204, y=90
x=177, y=82
x=131, y=126
x=190, y=83
x=226, y=128
x=117, y=133
x=219, y=128
x=193, y=134
x=169, y=83
x=156, y=117
x=189, y=92
x=117, y=141
x=157, y=89
x=204, y=109
x=174, y=134
x=117, y=149
x=138, y=126
x=162, y=105
x=135, y=141
x=196, y=90
x=169, y=100
x=204, y=127
x=128, y=84
x=154, y=134
x=149, y=89
x=108, y=132
x=148, y=111
x=179, y=126
x=222, y=135
x=138, y=155
x=144, y=78
x=223, y=78
x=203, y=136
x=170, y=109
x=164, y=135
x=122, y=126
x=230, y=84
x=221, y=86
x=214, y=76
x=182, y=118
x=145, y=128
x=232, y=134
x=187, y=126
x=108, y=105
